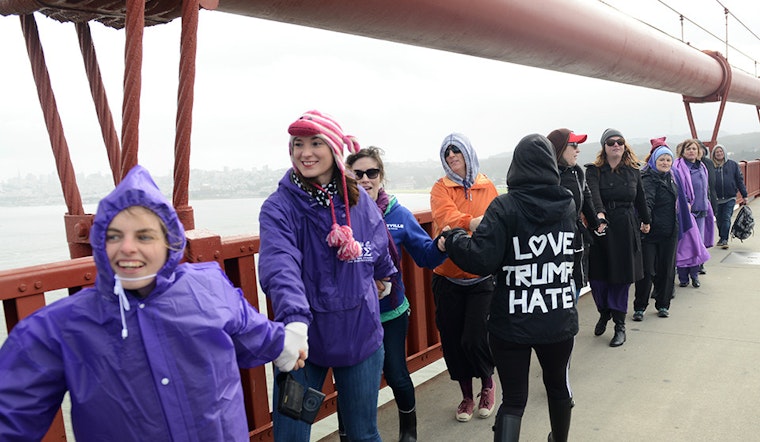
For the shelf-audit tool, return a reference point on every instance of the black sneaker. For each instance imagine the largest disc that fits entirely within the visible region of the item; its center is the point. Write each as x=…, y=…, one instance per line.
x=683, y=284
x=663, y=312
x=638, y=315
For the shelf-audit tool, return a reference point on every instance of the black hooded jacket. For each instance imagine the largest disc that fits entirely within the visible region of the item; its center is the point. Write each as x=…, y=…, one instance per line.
x=526, y=240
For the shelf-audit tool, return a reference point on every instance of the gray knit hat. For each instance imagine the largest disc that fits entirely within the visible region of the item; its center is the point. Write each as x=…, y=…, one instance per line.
x=610, y=133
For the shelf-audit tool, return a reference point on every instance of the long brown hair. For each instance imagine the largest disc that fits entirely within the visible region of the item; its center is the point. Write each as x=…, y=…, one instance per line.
x=686, y=143
x=629, y=158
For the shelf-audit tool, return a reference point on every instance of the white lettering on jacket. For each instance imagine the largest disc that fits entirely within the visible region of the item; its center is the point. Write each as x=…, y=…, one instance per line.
x=537, y=276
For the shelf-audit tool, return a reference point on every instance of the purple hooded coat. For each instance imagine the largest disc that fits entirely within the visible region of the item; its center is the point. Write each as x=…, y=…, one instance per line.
x=307, y=283
x=174, y=377
x=692, y=247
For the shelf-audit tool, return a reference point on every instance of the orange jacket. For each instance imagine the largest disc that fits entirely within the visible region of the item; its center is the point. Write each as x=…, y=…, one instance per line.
x=450, y=208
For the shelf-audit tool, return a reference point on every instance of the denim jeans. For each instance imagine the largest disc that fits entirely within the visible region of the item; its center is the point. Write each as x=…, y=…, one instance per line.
x=357, y=388
x=723, y=218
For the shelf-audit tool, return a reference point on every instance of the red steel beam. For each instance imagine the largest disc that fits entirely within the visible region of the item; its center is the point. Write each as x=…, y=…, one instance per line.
x=577, y=37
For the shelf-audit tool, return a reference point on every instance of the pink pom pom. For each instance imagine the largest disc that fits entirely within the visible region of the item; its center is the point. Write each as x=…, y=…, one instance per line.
x=349, y=251
x=339, y=235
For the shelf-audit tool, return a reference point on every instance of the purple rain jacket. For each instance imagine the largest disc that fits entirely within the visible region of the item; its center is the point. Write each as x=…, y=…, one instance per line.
x=307, y=283
x=174, y=377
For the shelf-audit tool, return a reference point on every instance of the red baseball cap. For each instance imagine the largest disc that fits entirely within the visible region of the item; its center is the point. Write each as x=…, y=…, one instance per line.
x=576, y=138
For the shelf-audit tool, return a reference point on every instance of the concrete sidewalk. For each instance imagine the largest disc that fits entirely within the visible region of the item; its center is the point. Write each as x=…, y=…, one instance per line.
x=694, y=376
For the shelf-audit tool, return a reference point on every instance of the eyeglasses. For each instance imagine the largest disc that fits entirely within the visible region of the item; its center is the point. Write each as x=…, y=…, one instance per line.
x=573, y=145
x=452, y=149
x=618, y=141
x=371, y=173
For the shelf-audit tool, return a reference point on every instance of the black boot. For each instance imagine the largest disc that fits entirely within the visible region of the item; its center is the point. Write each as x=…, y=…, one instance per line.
x=507, y=428
x=619, y=338
x=407, y=426
x=601, y=325
x=559, y=415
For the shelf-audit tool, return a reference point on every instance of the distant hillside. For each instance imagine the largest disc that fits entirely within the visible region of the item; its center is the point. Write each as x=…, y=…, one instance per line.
x=422, y=174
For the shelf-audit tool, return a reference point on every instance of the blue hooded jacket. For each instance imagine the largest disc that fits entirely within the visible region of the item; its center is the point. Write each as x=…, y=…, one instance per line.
x=174, y=377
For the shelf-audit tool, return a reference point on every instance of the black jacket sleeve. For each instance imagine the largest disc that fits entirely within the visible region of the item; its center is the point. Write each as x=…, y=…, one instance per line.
x=740, y=181
x=483, y=252
x=650, y=189
x=593, y=175
x=641, y=200
x=588, y=209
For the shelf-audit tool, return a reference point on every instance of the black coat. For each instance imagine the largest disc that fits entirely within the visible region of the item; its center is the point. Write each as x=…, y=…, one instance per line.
x=712, y=196
x=526, y=240
x=661, y=192
x=616, y=256
x=573, y=179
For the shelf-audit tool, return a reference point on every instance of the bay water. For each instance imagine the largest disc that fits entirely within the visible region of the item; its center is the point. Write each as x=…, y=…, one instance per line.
x=36, y=235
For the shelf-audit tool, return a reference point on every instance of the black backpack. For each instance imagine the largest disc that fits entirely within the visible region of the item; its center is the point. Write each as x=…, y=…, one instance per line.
x=744, y=224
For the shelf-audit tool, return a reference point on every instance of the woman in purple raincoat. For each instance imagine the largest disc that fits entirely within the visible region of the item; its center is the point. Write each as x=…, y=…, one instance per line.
x=152, y=351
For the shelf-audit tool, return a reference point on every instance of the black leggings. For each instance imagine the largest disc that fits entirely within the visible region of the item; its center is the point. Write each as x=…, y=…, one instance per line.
x=513, y=365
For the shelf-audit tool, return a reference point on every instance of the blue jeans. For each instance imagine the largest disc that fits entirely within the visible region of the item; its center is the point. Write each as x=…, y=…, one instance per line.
x=357, y=387
x=394, y=368
x=723, y=218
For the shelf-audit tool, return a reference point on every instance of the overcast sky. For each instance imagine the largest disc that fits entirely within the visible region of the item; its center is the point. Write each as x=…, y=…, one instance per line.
x=255, y=77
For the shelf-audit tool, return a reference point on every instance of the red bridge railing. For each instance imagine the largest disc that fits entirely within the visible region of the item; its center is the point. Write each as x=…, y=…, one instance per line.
x=23, y=290
x=751, y=172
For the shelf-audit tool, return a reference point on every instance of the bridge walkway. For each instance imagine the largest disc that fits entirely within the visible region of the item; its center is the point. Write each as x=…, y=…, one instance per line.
x=694, y=376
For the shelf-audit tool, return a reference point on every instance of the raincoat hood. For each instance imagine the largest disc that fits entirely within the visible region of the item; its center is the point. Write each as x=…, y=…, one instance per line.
x=725, y=155
x=136, y=189
x=533, y=162
x=534, y=182
x=470, y=160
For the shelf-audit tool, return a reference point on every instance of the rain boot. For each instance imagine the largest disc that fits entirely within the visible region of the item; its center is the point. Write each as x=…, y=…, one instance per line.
x=507, y=428
x=619, y=338
x=601, y=325
x=559, y=415
x=407, y=426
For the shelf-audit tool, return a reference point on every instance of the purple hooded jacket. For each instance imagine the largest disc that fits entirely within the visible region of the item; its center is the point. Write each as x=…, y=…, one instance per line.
x=307, y=283
x=174, y=377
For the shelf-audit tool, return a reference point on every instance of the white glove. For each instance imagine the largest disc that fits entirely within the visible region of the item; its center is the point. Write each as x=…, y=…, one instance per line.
x=386, y=290
x=296, y=339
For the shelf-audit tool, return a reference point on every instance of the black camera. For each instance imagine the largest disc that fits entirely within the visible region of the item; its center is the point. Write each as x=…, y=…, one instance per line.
x=297, y=402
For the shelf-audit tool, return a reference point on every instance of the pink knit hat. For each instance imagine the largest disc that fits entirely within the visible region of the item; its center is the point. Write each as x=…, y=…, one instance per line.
x=657, y=142
x=316, y=124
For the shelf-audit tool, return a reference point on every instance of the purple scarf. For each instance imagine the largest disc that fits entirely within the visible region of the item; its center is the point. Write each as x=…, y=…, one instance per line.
x=382, y=201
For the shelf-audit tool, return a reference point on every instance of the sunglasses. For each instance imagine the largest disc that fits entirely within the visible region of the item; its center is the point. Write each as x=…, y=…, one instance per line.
x=619, y=142
x=371, y=173
x=452, y=149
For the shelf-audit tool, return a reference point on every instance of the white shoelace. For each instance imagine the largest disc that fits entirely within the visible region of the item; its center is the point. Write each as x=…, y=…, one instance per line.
x=118, y=290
